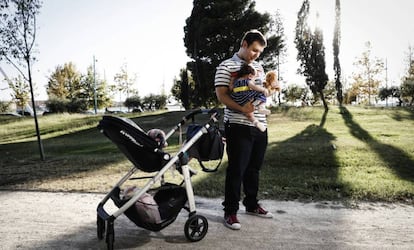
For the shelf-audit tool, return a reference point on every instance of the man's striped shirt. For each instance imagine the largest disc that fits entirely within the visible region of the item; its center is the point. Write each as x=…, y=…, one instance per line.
x=223, y=78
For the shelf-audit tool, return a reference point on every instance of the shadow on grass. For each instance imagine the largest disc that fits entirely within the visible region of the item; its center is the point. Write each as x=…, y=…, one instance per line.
x=78, y=152
x=302, y=167
x=399, y=161
x=401, y=114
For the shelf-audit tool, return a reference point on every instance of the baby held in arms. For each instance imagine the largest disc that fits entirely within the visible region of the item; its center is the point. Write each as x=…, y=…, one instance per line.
x=243, y=89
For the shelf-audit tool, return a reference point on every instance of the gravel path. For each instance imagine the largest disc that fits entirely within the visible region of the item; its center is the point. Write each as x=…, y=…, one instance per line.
x=42, y=220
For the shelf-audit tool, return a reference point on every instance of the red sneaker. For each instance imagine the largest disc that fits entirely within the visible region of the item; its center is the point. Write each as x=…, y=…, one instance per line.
x=259, y=211
x=232, y=222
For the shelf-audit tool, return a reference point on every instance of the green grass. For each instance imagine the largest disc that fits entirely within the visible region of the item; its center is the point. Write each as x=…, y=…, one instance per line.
x=354, y=153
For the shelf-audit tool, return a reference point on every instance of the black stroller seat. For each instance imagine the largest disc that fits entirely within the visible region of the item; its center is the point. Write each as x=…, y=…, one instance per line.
x=142, y=150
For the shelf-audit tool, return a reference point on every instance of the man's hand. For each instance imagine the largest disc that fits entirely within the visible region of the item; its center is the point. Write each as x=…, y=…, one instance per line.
x=248, y=107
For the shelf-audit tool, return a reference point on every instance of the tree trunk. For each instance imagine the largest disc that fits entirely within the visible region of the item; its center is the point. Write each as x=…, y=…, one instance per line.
x=39, y=141
x=325, y=104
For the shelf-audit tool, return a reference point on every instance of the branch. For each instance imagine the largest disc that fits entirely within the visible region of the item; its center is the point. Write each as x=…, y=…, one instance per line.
x=34, y=32
x=16, y=67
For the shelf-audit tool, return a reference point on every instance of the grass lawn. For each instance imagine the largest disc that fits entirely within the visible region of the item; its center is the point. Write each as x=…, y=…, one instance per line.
x=353, y=153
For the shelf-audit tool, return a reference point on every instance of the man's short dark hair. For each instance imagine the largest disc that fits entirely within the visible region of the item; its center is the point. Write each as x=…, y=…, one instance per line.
x=252, y=36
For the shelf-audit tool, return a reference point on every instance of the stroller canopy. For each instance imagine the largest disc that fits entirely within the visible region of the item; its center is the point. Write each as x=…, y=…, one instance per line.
x=138, y=147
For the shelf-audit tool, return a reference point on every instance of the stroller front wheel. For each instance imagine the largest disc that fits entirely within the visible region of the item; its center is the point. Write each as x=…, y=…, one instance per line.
x=196, y=228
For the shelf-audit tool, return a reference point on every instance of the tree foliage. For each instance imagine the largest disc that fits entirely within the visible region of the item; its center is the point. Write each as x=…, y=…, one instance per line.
x=154, y=102
x=183, y=88
x=368, y=76
x=133, y=102
x=4, y=106
x=69, y=88
x=294, y=93
x=89, y=82
x=20, y=91
x=407, y=85
x=124, y=82
x=311, y=54
x=212, y=34
x=65, y=82
x=18, y=33
x=393, y=91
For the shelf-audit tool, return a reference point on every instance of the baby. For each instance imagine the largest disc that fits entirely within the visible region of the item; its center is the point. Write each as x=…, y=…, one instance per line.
x=159, y=136
x=243, y=89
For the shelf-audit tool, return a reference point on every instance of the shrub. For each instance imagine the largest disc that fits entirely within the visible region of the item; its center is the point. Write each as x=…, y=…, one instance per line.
x=4, y=106
x=56, y=105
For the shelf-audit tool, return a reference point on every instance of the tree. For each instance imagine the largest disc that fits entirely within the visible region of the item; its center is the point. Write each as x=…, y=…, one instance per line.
x=4, y=106
x=407, y=86
x=367, y=78
x=278, y=51
x=124, y=83
x=319, y=77
x=330, y=92
x=17, y=42
x=20, y=92
x=336, y=45
x=276, y=46
x=212, y=34
x=183, y=88
x=393, y=91
x=87, y=93
x=65, y=82
x=407, y=90
x=154, y=102
x=133, y=102
x=65, y=90
x=71, y=91
x=311, y=54
x=294, y=93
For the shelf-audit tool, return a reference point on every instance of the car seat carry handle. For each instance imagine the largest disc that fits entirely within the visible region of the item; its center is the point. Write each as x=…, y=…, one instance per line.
x=212, y=112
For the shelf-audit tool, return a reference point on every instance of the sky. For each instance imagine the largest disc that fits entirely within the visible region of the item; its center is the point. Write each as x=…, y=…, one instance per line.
x=147, y=37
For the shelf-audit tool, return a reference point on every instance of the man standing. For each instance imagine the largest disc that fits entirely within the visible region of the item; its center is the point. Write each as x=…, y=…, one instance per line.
x=246, y=144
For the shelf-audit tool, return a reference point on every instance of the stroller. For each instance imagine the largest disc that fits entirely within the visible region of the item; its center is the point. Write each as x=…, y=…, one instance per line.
x=203, y=142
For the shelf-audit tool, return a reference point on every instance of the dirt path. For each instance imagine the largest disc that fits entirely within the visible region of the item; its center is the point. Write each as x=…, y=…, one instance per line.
x=39, y=220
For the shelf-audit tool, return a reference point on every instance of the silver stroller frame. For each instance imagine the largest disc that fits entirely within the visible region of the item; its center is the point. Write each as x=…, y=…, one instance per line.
x=196, y=226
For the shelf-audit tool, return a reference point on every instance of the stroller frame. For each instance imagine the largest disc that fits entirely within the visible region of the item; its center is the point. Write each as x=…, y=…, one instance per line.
x=196, y=226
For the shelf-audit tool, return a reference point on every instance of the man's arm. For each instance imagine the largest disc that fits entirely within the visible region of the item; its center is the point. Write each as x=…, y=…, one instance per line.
x=223, y=95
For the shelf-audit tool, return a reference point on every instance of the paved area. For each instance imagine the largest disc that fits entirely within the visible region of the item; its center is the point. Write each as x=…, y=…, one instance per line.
x=41, y=220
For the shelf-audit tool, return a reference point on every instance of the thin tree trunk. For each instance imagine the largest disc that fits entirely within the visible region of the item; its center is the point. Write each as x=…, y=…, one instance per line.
x=325, y=104
x=39, y=140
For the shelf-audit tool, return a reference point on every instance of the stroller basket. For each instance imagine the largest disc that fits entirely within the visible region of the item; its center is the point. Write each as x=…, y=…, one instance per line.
x=138, y=147
x=170, y=199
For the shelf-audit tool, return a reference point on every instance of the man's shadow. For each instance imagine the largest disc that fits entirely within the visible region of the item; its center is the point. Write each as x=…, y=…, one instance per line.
x=306, y=164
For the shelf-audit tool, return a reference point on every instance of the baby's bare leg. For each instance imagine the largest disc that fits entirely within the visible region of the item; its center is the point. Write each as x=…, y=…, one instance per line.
x=255, y=122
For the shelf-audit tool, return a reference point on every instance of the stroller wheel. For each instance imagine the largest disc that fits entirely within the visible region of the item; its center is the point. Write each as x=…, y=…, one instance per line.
x=196, y=228
x=100, y=223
